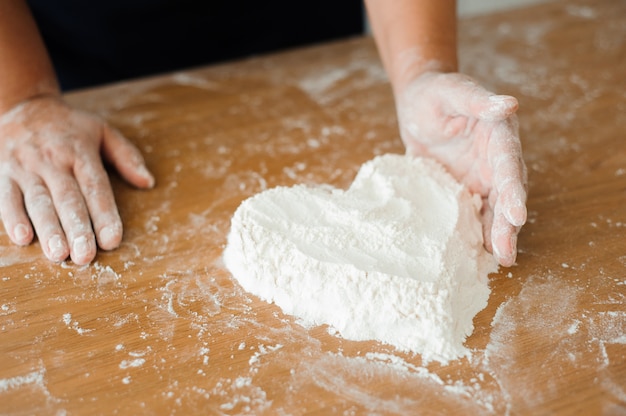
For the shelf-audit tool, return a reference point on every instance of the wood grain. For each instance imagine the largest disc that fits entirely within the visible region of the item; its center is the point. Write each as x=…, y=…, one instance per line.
x=160, y=327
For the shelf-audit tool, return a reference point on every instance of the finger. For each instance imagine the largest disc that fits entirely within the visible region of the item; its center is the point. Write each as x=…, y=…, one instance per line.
x=73, y=215
x=126, y=158
x=509, y=172
x=512, y=192
x=96, y=189
x=503, y=238
x=42, y=213
x=13, y=213
x=487, y=222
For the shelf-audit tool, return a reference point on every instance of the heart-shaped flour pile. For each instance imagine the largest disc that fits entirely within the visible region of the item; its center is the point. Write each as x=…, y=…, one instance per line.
x=398, y=257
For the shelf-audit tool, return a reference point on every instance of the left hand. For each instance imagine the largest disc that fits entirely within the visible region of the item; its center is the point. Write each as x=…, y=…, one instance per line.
x=474, y=134
x=53, y=182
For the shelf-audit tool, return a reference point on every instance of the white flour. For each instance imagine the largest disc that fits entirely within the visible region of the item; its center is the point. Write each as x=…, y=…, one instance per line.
x=398, y=257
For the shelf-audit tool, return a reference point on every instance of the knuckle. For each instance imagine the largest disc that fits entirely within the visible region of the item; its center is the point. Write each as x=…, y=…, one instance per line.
x=38, y=196
x=70, y=205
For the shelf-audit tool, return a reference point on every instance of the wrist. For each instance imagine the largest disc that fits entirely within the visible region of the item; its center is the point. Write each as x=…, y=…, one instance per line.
x=414, y=62
x=43, y=90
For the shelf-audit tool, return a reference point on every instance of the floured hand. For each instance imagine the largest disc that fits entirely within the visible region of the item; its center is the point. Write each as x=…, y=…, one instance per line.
x=53, y=182
x=474, y=133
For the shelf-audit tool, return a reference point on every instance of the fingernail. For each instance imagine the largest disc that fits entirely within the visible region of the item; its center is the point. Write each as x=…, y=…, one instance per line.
x=21, y=234
x=143, y=172
x=81, y=247
x=108, y=235
x=516, y=215
x=57, y=248
x=510, y=261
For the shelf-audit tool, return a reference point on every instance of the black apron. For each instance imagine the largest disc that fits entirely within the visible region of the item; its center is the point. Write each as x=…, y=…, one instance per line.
x=100, y=41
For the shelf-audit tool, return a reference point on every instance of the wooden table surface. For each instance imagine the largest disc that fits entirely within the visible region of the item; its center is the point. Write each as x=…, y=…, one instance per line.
x=160, y=327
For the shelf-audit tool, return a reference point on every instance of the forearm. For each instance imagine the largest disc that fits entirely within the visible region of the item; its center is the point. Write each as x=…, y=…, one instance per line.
x=25, y=68
x=414, y=36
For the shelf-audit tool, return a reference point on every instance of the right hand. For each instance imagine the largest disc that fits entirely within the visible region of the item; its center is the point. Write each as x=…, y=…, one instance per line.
x=474, y=134
x=53, y=182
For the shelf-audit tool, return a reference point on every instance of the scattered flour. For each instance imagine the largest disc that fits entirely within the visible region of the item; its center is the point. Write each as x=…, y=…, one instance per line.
x=67, y=320
x=137, y=362
x=398, y=257
x=35, y=377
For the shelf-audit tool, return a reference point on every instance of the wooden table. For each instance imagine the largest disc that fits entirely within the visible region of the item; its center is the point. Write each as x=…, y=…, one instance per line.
x=160, y=327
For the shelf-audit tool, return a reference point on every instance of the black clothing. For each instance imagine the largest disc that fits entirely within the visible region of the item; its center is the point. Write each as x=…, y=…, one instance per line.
x=99, y=41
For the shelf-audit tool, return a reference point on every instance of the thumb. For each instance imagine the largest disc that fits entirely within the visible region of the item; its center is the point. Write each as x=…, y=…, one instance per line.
x=126, y=158
x=471, y=99
x=497, y=107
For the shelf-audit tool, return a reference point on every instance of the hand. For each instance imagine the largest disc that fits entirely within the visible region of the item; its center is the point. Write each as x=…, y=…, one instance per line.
x=474, y=134
x=53, y=182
